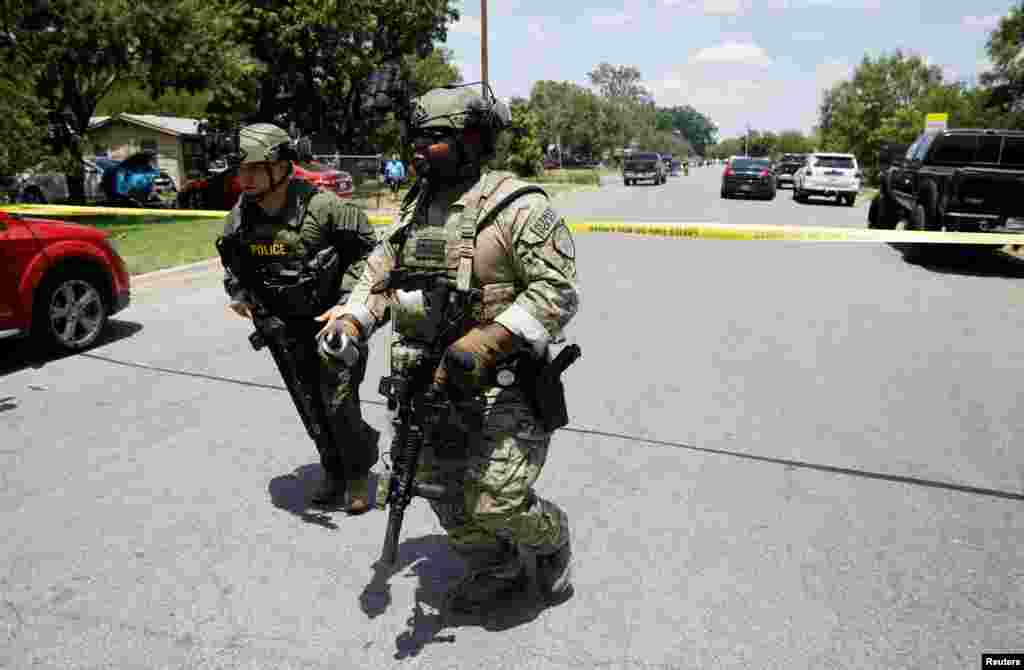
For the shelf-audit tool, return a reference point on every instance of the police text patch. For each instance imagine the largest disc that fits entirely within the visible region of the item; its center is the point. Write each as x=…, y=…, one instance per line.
x=542, y=226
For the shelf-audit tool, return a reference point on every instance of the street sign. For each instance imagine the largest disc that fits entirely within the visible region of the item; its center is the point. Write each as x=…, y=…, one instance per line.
x=935, y=122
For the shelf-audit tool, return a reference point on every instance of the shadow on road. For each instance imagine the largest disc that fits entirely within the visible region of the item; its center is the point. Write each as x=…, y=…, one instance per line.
x=972, y=261
x=16, y=355
x=438, y=568
x=291, y=493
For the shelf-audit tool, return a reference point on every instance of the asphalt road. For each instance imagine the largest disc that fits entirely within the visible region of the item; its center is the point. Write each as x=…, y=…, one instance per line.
x=782, y=455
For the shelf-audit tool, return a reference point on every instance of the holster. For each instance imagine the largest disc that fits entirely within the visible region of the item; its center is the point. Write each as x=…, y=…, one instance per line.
x=541, y=382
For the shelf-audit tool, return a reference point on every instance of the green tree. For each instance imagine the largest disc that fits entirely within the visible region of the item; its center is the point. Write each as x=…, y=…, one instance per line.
x=1005, y=81
x=793, y=142
x=695, y=127
x=132, y=97
x=314, y=57
x=521, y=151
x=23, y=128
x=85, y=48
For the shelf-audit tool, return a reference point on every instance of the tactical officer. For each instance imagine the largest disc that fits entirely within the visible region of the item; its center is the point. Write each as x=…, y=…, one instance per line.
x=522, y=266
x=282, y=224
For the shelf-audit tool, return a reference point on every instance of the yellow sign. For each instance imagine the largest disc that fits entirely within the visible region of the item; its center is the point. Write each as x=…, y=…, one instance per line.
x=936, y=121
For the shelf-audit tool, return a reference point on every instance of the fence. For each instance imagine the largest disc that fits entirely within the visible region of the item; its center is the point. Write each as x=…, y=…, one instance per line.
x=361, y=167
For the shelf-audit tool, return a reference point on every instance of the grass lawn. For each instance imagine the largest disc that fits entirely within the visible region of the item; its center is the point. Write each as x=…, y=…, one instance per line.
x=155, y=243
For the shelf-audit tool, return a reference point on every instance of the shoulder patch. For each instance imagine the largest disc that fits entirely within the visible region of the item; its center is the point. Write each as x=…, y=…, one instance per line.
x=563, y=242
x=543, y=224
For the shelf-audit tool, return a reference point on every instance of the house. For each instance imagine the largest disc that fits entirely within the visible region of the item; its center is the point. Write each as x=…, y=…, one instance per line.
x=174, y=140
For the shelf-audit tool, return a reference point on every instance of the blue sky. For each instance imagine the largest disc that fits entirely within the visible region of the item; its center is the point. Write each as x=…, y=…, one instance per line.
x=763, y=62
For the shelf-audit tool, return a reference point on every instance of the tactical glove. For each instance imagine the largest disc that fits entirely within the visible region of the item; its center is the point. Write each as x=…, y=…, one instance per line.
x=469, y=360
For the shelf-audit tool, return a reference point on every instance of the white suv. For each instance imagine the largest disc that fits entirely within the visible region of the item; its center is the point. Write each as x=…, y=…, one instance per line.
x=829, y=175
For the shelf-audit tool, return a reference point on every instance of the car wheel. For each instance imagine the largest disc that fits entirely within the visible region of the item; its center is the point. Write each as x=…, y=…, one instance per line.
x=851, y=200
x=725, y=196
x=797, y=196
x=70, y=311
x=887, y=214
x=771, y=196
x=917, y=252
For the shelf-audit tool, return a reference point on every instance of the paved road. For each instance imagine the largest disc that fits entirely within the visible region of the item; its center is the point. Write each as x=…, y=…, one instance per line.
x=695, y=199
x=782, y=455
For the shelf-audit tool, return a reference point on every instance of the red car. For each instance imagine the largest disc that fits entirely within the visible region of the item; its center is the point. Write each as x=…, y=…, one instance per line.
x=221, y=190
x=58, y=282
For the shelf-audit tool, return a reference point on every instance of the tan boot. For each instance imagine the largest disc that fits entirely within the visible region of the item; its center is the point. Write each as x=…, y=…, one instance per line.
x=358, y=498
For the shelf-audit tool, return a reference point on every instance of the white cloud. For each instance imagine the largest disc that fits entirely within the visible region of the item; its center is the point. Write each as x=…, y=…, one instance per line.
x=536, y=31
x=740, y=53
x=610, y=20
x=712, y=7
x=732, y=97
x=981, y=22
x=468, y=25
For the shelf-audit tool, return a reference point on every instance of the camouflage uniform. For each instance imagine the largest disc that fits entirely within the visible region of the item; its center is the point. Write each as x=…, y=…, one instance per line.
x=284, y=243
x=524, y=263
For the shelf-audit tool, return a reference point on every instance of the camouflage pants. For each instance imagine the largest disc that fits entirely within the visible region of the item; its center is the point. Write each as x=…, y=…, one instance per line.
x=355, y=442
x=493, y=454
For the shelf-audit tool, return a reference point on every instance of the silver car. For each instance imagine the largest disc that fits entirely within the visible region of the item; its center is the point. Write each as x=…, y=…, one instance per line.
x=38, y=187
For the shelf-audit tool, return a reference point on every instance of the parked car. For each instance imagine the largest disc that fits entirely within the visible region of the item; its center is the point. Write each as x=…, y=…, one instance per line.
x=131, y=181
x=164, y=183
x=59, y=282
x=644, y=167
x=788, y=165
x=748, y=176
x=221, y=190
x=962, y=179
x=41, y=187
x=830, y=175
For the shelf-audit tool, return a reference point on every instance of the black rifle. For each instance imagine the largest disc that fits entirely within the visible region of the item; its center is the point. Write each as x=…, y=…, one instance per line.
x=417, y=415
x=272, y=333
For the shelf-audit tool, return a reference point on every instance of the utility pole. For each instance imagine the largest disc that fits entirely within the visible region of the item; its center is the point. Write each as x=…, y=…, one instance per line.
x=483, y=43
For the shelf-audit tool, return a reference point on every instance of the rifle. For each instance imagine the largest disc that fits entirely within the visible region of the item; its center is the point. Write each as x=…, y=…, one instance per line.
x=271, y=333
x=417, y=414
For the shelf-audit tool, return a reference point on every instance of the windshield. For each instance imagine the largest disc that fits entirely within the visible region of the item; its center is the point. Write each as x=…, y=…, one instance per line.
x=839, y=162
x=749, y=164
x=636, y=158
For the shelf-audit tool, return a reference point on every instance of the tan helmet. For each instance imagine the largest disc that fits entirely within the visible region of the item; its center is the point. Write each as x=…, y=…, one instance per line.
x=264, y=142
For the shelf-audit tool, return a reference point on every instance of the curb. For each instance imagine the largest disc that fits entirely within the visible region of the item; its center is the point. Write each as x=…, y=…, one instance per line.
x=177, y=268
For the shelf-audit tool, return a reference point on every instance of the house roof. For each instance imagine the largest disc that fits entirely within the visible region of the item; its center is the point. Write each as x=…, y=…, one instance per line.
x=172, y=125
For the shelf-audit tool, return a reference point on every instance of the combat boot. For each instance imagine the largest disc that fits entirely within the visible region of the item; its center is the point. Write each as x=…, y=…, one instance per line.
x=554, y=575
x=329, y=490
x=491, y=579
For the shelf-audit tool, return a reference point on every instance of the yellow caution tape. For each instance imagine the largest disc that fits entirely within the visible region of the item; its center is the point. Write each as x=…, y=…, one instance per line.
x=708, y=231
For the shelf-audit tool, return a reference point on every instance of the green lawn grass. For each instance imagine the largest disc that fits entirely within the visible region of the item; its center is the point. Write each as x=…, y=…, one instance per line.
x=154, y=243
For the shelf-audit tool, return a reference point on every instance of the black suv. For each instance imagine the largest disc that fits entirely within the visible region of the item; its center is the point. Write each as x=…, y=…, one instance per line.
x=788, y=164
x=961, y=179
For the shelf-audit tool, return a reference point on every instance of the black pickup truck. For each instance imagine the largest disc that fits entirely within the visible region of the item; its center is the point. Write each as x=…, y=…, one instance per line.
x=967, y=180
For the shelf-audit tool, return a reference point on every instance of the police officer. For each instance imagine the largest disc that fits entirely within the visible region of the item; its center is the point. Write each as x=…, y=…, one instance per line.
x=523, y=264
x=282, y=223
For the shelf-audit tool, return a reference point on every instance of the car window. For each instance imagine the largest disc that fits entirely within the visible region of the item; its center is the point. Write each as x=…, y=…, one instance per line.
x=747, y=164
x=835, y=162
x=988, y=149
x=922, y=147
x=955, y=149
x=912, y=149
x=1013, y=152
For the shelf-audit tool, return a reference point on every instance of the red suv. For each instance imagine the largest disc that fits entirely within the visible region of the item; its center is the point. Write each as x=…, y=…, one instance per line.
x=58, y=282
x=221, y=190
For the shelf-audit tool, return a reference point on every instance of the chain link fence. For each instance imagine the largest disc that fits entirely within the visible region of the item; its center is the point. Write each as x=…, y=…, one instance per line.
x=363, y=168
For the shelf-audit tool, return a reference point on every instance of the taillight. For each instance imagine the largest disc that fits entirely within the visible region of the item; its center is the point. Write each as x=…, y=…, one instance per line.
x=764, y=173
x=728, y=172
